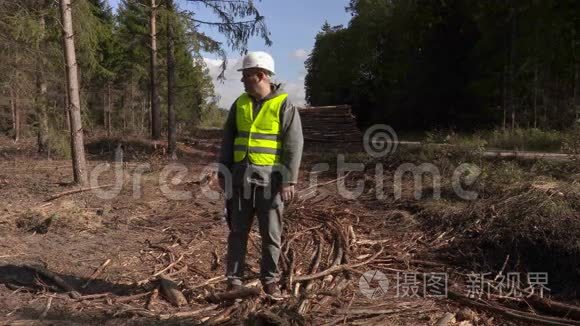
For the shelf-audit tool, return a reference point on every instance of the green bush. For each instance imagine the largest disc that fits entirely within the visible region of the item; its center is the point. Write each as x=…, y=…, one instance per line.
x=457, y=149
x=571, y=144
x=59, y=144
x=437, y=136
x=526, y=139
x=213, y=118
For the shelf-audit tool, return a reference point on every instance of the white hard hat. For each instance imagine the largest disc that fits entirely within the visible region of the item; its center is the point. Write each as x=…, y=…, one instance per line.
x=258, y=59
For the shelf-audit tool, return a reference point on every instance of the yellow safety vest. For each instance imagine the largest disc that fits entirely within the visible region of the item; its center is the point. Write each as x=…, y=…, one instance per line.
x=258, y=138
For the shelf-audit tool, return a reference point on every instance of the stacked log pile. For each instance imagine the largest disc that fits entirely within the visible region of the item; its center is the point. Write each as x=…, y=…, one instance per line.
x=329, y=124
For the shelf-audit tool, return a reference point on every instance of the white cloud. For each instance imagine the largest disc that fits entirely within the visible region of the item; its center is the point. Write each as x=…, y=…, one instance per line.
x=295, y=90
x=300, y=54
x=231, y=87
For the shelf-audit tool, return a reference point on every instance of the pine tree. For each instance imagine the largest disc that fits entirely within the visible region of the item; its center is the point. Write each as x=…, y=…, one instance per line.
x=77, y=143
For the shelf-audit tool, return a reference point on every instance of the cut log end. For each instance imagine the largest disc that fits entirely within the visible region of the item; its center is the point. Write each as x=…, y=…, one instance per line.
x=171, y=292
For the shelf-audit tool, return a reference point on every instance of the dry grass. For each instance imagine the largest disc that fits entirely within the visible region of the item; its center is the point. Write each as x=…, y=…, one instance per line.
x=68, y=216
x=529, y=211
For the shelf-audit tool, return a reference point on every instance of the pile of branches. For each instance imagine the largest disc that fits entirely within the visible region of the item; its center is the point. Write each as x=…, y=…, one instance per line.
x=321, y=255
x=325, y=249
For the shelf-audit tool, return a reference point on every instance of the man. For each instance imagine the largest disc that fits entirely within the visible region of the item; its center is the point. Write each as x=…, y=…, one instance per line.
x=261, y=151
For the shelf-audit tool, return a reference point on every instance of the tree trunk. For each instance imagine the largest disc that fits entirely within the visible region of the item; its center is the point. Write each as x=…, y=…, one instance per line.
x=124, y=109
x=105, y=110
x=66, y=112
x=15, y=114
x=513, y=126
x=131, y=106
x=42, y=118
x=546, y=99
x=512, y=100
x=575, y=96
x=505, y=101
x=155, y=110
x=133, y=127
x=143, y=112
x=171, y=82
x=121, y=116
x=546, y=103
x=109, y=110
x=77, y=144
x=41, y=100
x=150, y=124
x=575, y=42
x=535, y=94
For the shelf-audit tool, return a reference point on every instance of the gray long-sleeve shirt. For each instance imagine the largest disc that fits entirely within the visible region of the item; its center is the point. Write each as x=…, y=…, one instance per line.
x=292, y=145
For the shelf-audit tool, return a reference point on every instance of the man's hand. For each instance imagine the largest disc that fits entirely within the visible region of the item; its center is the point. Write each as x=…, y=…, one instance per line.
x=287, y=192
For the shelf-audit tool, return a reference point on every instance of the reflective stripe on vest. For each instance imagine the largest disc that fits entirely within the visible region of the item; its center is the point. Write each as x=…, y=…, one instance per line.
x=258, y=138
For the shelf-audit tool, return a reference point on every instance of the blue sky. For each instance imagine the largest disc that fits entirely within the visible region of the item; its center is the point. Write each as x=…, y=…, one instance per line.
x=293, y=26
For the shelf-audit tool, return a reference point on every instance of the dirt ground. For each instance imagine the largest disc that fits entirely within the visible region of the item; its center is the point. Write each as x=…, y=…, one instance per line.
x=141, y=232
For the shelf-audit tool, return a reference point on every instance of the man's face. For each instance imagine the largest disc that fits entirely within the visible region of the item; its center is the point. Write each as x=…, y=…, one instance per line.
x=251, y=79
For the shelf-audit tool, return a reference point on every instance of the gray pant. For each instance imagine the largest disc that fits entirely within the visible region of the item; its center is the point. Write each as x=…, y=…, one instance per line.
x=241, y=212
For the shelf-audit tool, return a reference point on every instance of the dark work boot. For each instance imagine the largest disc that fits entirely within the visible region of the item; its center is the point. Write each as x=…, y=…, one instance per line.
x=234, y=287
